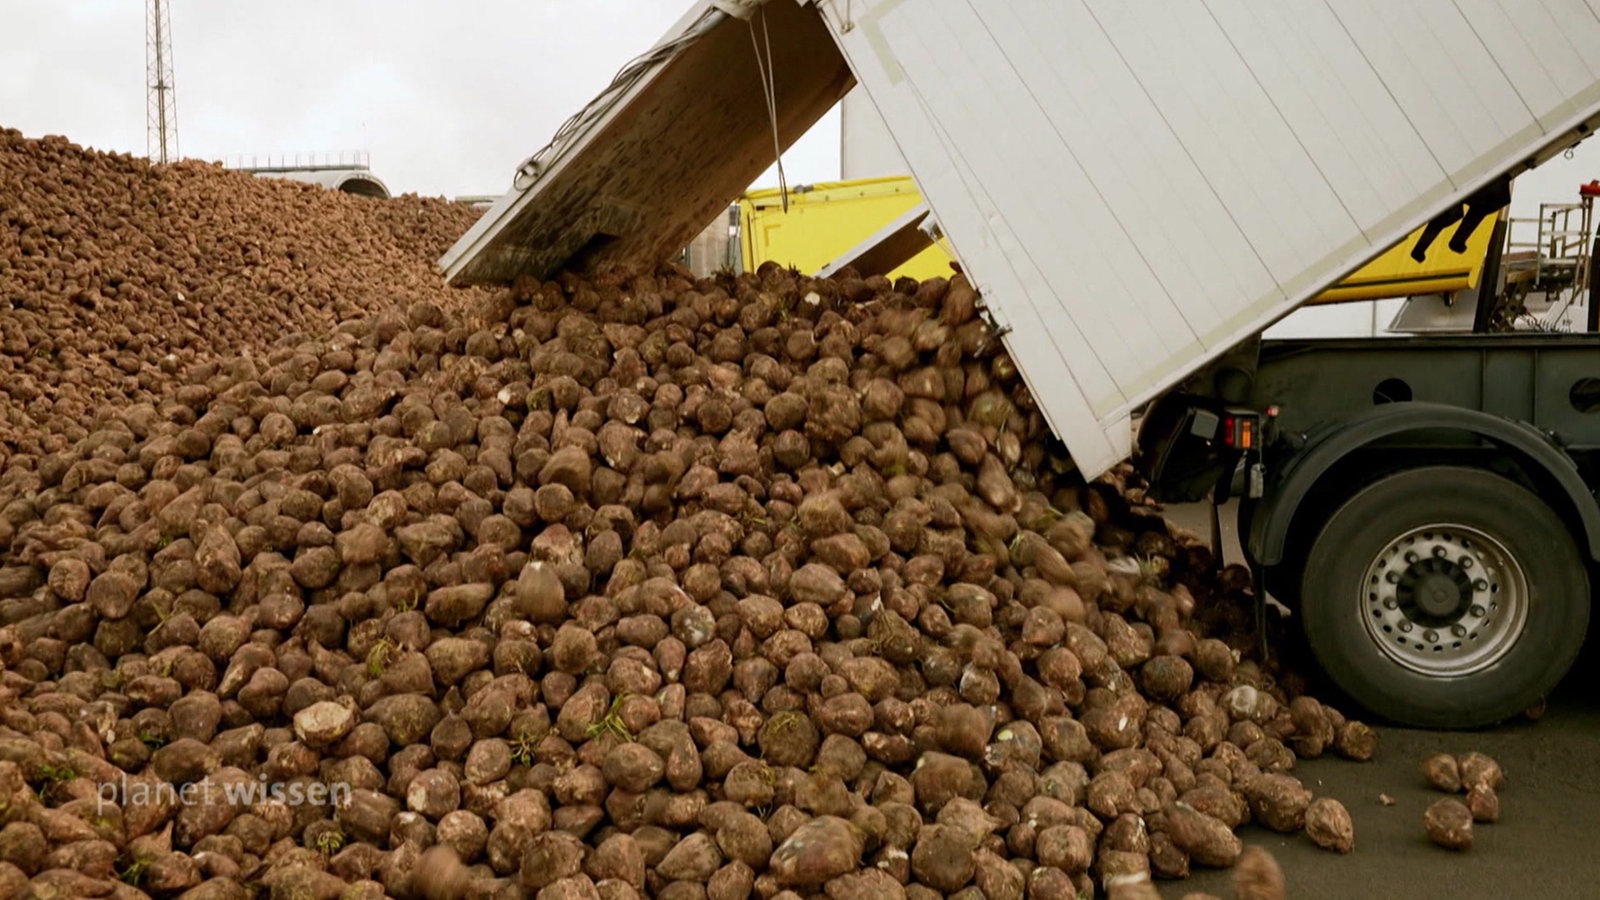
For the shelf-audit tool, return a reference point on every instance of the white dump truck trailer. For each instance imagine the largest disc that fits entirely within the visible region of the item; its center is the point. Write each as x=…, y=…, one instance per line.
x=1138, y=190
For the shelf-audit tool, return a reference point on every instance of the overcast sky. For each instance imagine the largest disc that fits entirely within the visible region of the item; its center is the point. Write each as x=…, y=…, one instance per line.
x=447, y=97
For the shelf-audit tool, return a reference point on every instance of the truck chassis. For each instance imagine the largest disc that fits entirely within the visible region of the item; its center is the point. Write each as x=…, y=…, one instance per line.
x=1422, y=504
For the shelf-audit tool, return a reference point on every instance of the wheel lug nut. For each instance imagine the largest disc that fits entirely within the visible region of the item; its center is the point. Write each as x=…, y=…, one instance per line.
x=1392, y=577
x=1389, y=603
x=1458, y=630
x=1480, y=585
x=1407, y=627
x=1412, y=557
x=1439, y=552
x=1478, y=611
x=1431, y=636
x=1464, y=562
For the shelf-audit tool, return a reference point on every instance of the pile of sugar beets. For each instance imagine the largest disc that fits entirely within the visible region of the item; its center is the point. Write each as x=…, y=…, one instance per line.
x=616, y=586
x=116, y=276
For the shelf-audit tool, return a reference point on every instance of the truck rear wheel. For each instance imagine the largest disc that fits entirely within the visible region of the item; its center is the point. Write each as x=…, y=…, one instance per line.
x=1445, y=597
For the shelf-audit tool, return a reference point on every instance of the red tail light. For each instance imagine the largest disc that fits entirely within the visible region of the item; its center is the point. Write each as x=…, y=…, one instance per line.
x=1240, y=431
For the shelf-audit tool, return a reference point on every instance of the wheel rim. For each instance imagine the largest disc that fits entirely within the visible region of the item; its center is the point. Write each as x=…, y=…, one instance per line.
x=1445, y=600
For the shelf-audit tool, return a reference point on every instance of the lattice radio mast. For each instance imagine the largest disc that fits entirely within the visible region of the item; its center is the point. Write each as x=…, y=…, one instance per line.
x=161, y=106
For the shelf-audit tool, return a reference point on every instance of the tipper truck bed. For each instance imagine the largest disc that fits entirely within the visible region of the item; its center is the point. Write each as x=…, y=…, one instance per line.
x=1138, y=190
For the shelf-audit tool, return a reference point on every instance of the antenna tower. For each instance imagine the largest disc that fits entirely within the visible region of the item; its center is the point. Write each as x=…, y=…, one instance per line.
x=161, y=106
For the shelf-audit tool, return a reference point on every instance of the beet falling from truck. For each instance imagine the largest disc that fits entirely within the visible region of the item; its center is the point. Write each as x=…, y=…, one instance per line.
x=1133, y=224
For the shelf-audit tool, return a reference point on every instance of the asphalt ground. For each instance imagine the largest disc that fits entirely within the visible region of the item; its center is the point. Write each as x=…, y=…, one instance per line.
x=1545, y=845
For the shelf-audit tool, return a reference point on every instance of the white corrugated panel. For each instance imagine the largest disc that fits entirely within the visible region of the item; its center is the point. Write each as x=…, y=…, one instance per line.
x=1135, y=187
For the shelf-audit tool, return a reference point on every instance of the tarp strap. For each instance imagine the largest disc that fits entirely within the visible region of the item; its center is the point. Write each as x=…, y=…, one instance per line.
x=769, y=89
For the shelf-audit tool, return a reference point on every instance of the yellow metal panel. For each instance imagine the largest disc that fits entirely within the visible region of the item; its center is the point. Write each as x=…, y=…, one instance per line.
x=827, y=219
x=1396, y=274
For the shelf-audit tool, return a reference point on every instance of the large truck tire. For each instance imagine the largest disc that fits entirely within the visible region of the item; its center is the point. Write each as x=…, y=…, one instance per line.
x=1445, y=597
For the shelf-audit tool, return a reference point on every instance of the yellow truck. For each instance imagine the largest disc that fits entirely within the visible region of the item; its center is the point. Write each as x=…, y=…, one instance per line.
x=826, y=220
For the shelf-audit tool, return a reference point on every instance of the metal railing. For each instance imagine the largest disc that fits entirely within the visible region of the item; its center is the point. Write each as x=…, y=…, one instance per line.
x=1548, y=262
x=1561, y=242
x=309, y=161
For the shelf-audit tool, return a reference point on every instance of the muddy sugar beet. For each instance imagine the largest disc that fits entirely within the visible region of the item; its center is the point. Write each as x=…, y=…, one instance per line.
x=617, y=586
